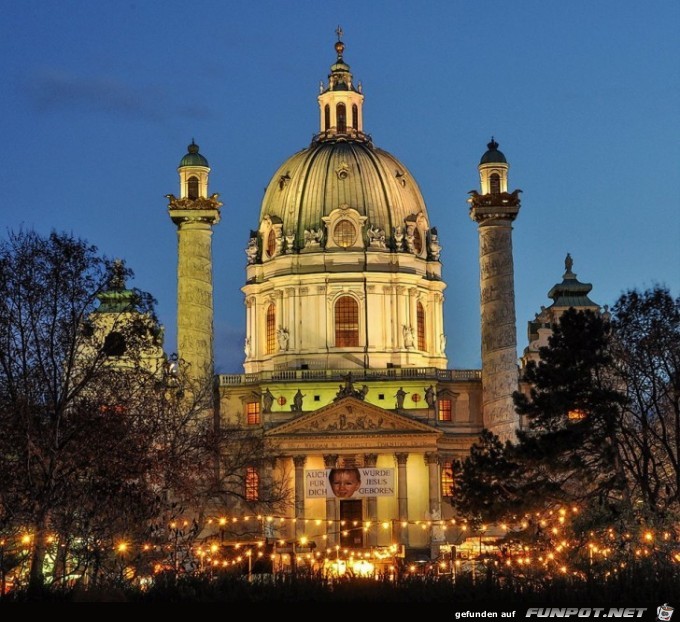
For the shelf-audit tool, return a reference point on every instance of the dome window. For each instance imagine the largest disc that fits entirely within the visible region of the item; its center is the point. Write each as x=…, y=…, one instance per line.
x=355, y=117
x=344, y=233
x=327, y=117
x=271, y=243
x=494, y=183
x=346, y=322
x=192, y=187
x=341, y=113
x=270, y=329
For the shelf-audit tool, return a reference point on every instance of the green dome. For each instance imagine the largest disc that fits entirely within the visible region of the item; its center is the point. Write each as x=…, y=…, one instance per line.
x=193, y=158
x=493, y=156
x=313, y=182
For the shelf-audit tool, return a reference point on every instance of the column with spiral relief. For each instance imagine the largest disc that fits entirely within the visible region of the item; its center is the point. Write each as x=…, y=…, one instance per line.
x=494, y=209
x=195, y=213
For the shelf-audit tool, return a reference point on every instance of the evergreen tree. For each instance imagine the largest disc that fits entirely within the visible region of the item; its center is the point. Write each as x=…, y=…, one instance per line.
x=569, y=444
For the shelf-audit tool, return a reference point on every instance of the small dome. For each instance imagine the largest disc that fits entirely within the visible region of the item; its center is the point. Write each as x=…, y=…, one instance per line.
x=493, y=156
x=193, y=158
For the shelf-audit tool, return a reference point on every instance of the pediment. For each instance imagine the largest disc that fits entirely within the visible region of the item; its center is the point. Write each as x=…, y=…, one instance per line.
x=351, y=416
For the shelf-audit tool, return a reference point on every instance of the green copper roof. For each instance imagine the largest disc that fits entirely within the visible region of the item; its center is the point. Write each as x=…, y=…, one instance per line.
x=493, y=156
x=193, y=158
x=117, y=298
x=315, y=181
x=571, y=292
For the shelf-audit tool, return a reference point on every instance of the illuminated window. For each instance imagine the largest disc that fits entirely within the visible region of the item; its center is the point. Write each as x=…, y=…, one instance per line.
x=346, y=322
x=253, y=413
x=445, y=409
x=271, y=243
x=327, y=117
x=417, y=241
x=576, y=415
x=447, y=478
x=192, y=187
x=252, y=484
x=420, y=316
x=271, y=329
x=341, y=113
x=344, y=233
x=494, y=183
x=355, y=117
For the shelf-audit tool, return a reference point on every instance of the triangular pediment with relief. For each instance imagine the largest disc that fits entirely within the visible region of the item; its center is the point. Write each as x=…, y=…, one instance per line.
x=350, y=416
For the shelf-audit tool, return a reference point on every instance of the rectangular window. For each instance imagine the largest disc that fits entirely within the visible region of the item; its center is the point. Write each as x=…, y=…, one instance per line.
x=447, y=478
x=253, y=413
x=445, y=413
x=252, y=491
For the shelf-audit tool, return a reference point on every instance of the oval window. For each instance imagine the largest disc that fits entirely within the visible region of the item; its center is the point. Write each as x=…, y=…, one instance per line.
x=344, y=233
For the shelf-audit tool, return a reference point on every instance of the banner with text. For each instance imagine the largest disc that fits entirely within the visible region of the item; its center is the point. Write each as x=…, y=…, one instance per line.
x=346, y=483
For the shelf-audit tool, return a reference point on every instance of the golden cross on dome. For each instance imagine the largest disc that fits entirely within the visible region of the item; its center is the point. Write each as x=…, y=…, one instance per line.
x=338, y=31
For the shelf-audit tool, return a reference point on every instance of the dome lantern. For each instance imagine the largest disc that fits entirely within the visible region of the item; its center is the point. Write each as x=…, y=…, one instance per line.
x=193, y=174
x=493, y=170
x=340, y=101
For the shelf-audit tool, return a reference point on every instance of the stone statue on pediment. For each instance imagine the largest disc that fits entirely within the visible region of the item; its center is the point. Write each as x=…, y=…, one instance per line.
x=348, y=390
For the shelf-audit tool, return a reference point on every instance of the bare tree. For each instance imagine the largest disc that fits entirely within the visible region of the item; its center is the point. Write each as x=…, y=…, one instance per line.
x=646, y=348
x=73, y=434
x=103, y=440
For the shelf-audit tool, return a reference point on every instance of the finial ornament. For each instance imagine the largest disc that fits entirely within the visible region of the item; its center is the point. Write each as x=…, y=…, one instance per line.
x=568, y=262
x=117, y=280
x=339, y=45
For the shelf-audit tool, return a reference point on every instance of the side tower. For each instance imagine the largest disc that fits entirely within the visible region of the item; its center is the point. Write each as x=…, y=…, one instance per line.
x=194, y=213
x=569, y=294
x=494, y=210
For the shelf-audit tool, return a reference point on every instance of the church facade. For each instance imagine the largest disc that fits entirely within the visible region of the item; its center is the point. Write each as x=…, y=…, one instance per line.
x=345, y=368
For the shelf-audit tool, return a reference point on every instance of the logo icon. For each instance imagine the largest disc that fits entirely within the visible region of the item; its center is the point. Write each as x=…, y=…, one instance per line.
x=664, y=612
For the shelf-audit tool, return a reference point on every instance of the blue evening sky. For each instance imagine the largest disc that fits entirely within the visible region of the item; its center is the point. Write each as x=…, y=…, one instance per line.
x=100, y=100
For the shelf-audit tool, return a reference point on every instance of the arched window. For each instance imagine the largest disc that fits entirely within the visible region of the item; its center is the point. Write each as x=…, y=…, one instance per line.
x=420, y=316
x=344, y=233
x=341, y=113
x=355, y=117
x=494, y=183
x=192, y=187
x=270, y=329
x=327, y=117
x=346, y=322
x=271, y=243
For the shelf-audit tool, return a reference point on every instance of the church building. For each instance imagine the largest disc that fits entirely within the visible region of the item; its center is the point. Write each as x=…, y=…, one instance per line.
x=345, y=371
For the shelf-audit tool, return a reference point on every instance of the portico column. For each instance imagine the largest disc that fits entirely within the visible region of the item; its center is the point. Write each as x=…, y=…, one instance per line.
x=330, y=461
x=437, y=534
x=268, y=529
x=299, y=462
x=370, y=461
x=402, y=497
